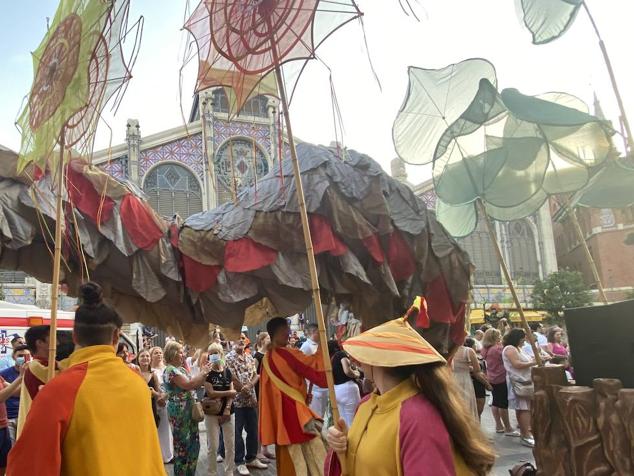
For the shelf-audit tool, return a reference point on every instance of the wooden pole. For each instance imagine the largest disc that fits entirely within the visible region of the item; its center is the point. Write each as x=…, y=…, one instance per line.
x=57, y=258
x=310, y=255
x=509, y=282
x=593, y=266
x=629, y=139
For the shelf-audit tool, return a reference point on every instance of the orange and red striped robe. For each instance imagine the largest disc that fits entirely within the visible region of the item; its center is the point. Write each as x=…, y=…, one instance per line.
x=285, y=417
x=94, y=418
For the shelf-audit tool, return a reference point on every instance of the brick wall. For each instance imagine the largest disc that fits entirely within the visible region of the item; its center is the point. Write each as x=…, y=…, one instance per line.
x=605, y=233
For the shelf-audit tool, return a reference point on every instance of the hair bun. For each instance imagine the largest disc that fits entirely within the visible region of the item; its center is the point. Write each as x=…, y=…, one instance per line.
x=91, y=294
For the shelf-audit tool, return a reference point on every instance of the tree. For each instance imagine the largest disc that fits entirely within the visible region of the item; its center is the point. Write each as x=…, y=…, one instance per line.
x=561, y=290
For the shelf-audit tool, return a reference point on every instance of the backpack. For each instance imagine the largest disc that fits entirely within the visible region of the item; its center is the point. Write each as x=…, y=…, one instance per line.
x=523, y=469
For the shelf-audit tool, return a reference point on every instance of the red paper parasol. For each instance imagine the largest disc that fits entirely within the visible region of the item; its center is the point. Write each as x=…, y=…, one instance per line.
x=240, y=42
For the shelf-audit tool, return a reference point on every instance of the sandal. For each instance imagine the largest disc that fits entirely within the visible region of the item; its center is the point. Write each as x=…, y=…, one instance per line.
x=515, y=434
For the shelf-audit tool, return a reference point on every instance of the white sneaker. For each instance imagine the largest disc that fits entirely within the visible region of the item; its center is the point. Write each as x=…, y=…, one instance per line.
x=243, y=470
x=257, y=464
x=219, y=459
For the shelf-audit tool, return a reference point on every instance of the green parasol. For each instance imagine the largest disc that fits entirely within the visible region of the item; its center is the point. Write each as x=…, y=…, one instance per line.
x=547, y=20
x=78, y=67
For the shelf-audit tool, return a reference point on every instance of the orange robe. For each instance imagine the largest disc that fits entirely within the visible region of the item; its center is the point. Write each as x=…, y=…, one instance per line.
x=285, y=417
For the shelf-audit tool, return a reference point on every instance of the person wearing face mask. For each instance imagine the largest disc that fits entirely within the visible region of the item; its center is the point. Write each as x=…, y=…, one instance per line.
x=96, y=416
x=219, y=411
x=21, y=356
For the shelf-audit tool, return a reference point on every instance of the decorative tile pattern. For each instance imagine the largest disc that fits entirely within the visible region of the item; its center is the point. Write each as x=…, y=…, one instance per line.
x=118, y=167
x=186, y=150
x=429, y=198
x=259, y=132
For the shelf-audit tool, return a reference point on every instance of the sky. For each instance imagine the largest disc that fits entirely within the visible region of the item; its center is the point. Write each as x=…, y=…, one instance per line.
x=448, y=31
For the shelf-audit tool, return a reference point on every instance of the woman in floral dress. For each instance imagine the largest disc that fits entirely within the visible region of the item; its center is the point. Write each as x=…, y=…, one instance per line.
x=180, y=400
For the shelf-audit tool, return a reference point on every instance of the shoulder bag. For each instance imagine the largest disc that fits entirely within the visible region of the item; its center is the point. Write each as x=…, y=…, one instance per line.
x=522, y=388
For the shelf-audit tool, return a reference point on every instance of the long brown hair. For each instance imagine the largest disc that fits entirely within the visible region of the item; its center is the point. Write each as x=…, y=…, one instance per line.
x=437, y=385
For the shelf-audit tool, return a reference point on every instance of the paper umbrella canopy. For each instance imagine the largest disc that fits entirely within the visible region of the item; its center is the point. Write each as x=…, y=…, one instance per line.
x=376, y=245
x=239, y=43
x=80, y=65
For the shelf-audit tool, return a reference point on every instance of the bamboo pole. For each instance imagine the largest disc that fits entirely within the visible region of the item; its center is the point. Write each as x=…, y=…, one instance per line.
x=310, y=255
x=57, y=258
x=586, y=250
x=509, y=282
x=615, y=87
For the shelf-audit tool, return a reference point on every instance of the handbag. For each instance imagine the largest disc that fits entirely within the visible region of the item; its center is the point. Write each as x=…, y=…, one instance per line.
x=197, y=412
x=522, y=388
x=523, y=469
x=212, y=406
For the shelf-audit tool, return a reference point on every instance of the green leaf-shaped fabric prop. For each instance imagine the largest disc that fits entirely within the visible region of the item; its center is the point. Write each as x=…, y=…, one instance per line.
x=611, y=187
x=435, y=98
x=547, y=20
x=512, y=151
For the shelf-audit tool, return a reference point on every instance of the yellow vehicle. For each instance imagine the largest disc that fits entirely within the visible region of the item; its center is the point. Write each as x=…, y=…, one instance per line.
x=476, y=317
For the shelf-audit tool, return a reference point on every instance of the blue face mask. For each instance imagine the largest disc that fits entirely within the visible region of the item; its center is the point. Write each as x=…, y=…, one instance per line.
x=215, y=358
x=20, y=361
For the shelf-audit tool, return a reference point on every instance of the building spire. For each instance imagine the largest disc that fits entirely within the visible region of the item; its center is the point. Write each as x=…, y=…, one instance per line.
x=598, y=110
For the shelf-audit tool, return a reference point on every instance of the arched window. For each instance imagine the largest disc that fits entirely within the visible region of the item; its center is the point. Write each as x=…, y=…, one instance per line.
x=240, y=159
x=524, y=264
x=173, y=189
x=480, y=249
x=256, y=106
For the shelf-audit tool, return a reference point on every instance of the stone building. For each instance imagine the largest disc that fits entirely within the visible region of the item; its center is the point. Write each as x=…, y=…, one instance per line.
x=202, y=164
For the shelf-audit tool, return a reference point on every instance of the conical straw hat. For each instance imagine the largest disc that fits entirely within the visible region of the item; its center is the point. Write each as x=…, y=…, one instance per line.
x=393, y=344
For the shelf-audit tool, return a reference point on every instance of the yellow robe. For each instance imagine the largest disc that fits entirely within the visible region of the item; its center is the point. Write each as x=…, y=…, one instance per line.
x=95, y=418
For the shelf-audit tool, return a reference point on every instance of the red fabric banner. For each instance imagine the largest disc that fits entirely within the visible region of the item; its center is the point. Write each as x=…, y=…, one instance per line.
x=245, y=255
x=199, y=277
x=400, y=257
x=139, y=223
x=173, y=234
x=86, y=199
x=324, y=239
x=373, y=245
x=439, y=305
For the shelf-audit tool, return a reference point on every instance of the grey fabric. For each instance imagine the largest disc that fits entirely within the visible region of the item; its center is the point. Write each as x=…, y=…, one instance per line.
x=17, y=231
x=235, y=287
x=144, y=281
x=114, y=231
x=291, y=269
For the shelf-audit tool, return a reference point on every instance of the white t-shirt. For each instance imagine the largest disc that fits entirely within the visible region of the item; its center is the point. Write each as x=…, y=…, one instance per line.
x=309, y=347
x=541, y=343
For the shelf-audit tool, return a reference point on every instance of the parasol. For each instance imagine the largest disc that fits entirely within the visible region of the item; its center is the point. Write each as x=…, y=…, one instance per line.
x=550, y=146
x=78, y=67
x=547, y=20
x=256, y=39
x=503, y=154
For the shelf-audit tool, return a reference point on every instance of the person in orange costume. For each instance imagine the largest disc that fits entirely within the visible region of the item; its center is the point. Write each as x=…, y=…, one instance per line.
x=285, y=417
x=95, y=418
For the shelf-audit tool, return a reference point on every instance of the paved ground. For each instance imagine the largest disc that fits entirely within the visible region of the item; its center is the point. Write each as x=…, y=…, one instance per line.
x=509, y=451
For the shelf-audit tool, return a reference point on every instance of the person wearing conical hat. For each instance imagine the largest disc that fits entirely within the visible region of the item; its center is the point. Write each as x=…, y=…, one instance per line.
x=415, y=422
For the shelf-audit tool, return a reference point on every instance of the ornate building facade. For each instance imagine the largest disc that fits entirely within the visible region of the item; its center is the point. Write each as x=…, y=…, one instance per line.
x=528, y=247
x=202, y=164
